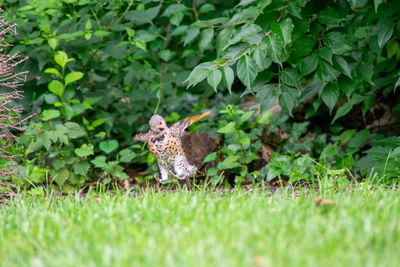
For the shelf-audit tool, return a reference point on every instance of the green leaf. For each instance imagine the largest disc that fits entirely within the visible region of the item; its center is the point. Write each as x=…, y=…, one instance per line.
x=265, y=117
x=245, y=2
x=342, y=66
x=290, y=77
x=206, y=38
x=52, y=71
x=61, y=177
x=243, y=138
x=366, y=71
x=91, y=100
x=326, y=54
x=210, y=157
x=101, y=33
x=245, y=116
x=214, y=78
x=84, y=151
x=231, y=162
x=72, y=77
x=283, y=29
x=325, y=72
x=308, y=64
x=81, y=168
x=67, y=111
x=288, y=99
x=191, y=33
x=49, y=114
x=377, y=4
x=166, y=54
x=302, y=46
x=246, y=71
x=229, y=128
x=367, y=104
x=50, y=99
x=260, y=56
x=385, y=31
x=53, y=42
x=126, y=155
x=329, y=151
x=56, y=87
x=243, y=34
x=274, y=47
x=397, y=84
x=99, y=161
x=330, y=16
x=212, y=171
x=74, y=130
x=199, y=73
x=330, y=96
x=88, y=25
x=267, y=96
x=61, y=59
x=143, y=16
x=78, y=109
x=34, y=146
x=342, y=110
x=338, y=42
x=44, y=138
x=346, y=135
x=58, y=164
x=108, y=146
x=207, y=7
x=98, y=122
x=359, y=139
x=229, y=76
x=177, y=18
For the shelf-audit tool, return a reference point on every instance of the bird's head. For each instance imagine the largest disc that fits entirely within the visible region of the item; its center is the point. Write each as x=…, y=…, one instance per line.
x=157, y=124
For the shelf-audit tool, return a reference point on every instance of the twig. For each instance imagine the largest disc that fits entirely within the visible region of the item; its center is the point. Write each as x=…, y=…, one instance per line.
x=279, y=76
x=234, y=59
x=194, y=9
x=126, y=11
x=226, y=25
x=283, y=11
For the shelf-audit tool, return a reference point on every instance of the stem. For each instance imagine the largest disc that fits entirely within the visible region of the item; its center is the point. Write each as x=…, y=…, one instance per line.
x=126, y=11
x=162, y=63
x=240, y=144
x=234, y=59
x=194, y=9
x=283, y=12
x=226, y=25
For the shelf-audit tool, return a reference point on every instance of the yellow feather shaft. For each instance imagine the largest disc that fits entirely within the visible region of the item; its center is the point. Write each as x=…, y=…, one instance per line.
x=194, y=118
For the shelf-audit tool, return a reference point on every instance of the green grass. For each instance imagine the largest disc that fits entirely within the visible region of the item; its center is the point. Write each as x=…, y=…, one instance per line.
x=360, y=228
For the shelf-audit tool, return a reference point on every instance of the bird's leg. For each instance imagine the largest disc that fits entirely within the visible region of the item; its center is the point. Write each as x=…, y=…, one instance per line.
x=183, y=168
x=144, y=137
x=164, y=174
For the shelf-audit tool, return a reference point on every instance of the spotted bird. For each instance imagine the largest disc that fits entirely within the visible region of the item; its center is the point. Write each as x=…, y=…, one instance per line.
x=165, y=144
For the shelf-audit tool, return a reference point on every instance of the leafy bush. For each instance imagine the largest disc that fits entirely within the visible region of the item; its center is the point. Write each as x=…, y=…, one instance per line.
x=133, y=59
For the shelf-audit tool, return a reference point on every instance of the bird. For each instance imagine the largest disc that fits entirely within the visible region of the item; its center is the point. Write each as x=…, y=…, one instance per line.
x=166, y=145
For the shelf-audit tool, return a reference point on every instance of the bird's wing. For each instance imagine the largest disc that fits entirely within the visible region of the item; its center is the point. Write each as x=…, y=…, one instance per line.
x=144, y=137
x=180, y=126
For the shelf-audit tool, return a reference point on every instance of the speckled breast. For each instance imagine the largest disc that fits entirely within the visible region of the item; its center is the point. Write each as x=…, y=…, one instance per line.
x=166, y=148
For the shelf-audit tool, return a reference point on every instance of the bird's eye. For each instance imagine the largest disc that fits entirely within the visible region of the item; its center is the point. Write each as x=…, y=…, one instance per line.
x=161, y=129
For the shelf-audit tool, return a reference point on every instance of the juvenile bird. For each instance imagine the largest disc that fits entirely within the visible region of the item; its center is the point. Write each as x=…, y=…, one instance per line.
x=165, y=144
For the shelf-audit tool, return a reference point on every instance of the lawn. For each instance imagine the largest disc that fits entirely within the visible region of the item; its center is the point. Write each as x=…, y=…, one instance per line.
x=356, y=227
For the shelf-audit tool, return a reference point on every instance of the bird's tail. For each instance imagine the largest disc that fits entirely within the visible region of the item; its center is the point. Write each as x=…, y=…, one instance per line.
x=194, y=118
